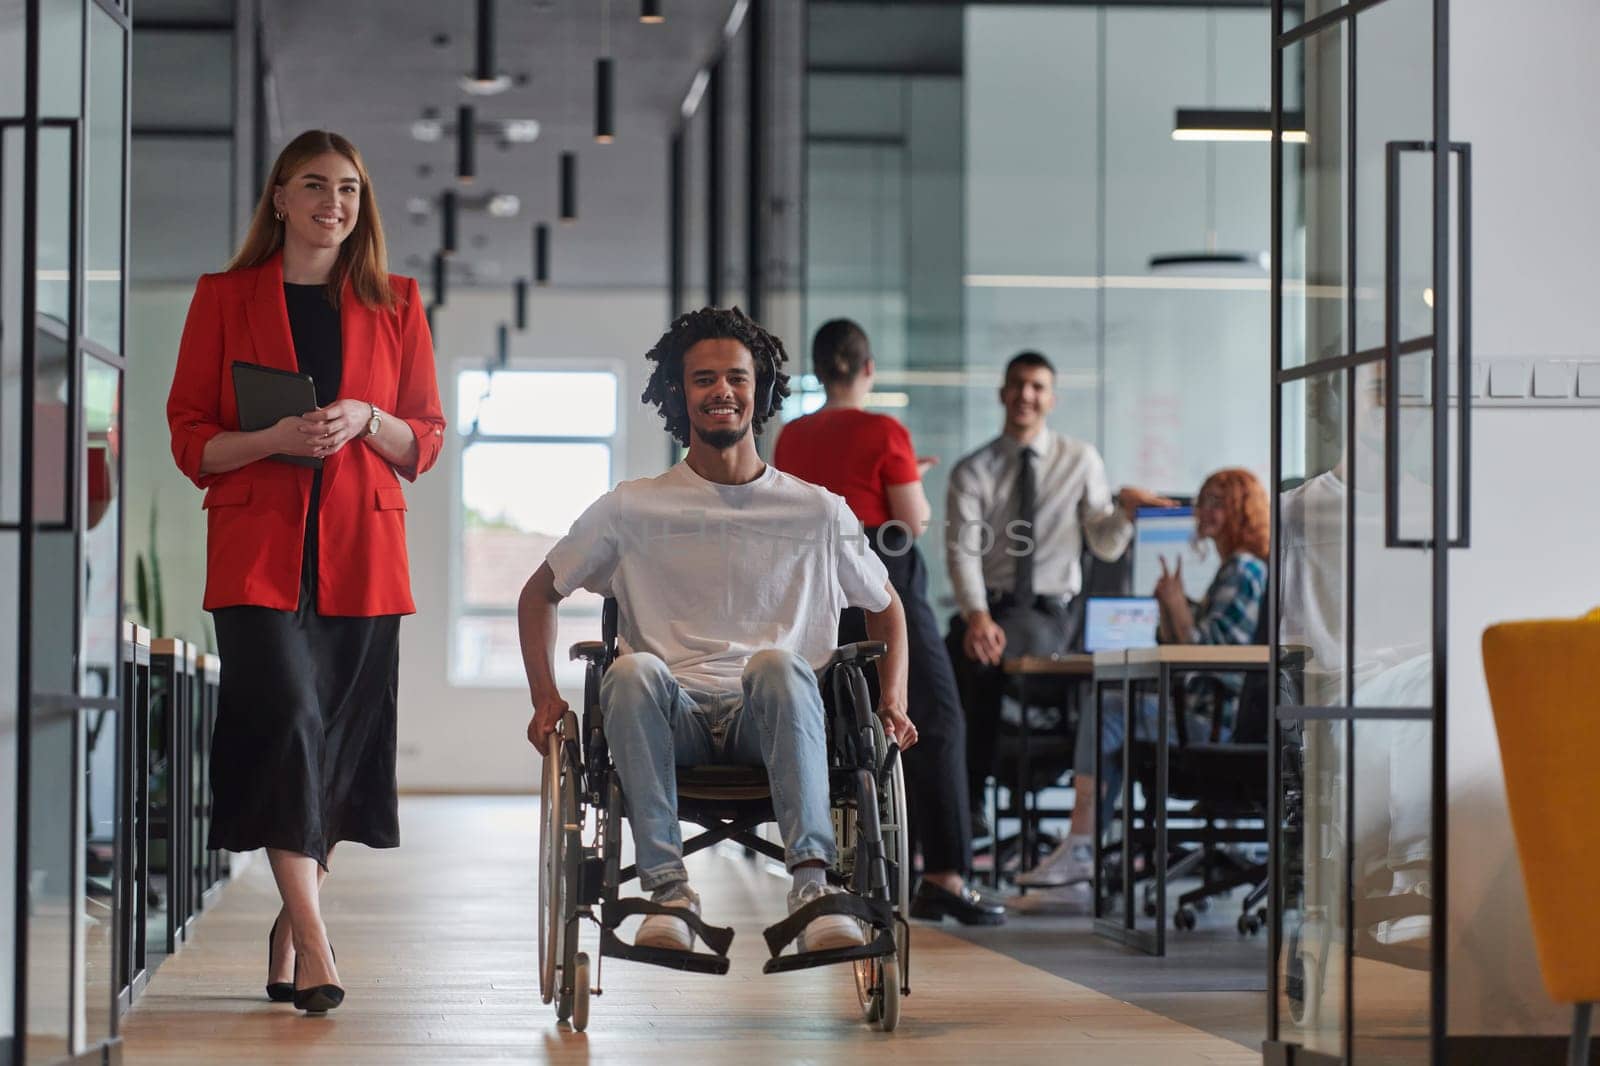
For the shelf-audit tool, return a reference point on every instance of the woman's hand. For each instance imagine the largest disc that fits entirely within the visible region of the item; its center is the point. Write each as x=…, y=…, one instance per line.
x=293, y=435
x=339, y=423
x=926, y=463
x=1169, y=586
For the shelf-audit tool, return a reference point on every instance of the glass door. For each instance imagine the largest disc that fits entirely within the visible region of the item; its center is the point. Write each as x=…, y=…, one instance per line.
x=1367, y=444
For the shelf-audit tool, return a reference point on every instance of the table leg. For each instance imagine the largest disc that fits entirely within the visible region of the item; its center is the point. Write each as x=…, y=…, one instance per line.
x=1159, y=802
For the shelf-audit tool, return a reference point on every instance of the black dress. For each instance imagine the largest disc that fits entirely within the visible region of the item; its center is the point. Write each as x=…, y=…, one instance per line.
x=303, y=755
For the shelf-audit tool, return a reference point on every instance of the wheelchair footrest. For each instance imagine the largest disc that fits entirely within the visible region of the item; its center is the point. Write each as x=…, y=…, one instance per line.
x=877, y=947
x=717, y=938
x=612, y=946
x=874, y=912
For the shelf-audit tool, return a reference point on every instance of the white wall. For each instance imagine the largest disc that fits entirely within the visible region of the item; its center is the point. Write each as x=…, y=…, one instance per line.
x=472, y=738
x=1535, y=511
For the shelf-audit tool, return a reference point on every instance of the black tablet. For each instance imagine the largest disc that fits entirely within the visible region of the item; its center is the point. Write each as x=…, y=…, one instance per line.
x=265, y=395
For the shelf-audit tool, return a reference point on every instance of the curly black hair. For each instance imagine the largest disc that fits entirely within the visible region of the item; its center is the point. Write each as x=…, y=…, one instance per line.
x=712, y=323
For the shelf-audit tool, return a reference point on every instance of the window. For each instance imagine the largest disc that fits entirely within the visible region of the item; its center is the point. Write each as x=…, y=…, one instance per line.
x=538, y=449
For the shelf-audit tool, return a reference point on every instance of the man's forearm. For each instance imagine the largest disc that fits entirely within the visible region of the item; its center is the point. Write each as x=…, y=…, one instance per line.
x=536, y=629
x=889, y=626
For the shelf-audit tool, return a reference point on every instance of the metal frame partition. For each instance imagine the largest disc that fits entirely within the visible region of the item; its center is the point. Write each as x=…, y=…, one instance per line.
x=133, y=972
x=1314, y=794
x=75, y=687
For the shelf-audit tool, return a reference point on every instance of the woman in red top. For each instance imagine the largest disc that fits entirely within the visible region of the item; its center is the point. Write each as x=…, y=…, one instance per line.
x=867, y=459
x=306, y=570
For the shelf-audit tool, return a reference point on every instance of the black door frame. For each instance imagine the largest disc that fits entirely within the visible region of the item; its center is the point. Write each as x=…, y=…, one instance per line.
x=1346, y=364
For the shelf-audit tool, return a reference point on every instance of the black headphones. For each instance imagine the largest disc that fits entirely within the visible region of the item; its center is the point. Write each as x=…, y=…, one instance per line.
x=675, y=407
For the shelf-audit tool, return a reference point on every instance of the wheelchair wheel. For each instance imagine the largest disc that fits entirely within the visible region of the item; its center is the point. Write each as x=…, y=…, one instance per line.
x=552, y=874
x=889, y=996
x=580, y=993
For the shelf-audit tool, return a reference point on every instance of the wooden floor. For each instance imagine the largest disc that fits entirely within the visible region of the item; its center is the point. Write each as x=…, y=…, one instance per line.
x=436, y=948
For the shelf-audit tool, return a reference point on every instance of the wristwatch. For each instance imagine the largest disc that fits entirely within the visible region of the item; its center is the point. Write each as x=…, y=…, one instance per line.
x=375, y=422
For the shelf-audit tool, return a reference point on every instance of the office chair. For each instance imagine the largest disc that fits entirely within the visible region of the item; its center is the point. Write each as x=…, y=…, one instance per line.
x=1541, y=679
x=1226, y=781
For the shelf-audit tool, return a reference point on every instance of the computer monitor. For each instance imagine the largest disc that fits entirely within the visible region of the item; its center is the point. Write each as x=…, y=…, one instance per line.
x=1168, y=532
x=1114, y=623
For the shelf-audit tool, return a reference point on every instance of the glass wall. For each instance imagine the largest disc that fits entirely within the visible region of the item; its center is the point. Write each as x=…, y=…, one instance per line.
x=62, y=288
x=982, y=179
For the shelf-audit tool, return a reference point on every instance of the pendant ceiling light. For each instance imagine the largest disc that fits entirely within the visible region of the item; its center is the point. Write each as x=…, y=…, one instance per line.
x=650, y=11
x=1223, y=124
x=605, y=125
x=502, y=346
x=569, y=186
x=439, y=292
x=521, y=294
x=466, y=144
x=484, y=79
x=448, y=213
x=605, y=128
x=541, y=254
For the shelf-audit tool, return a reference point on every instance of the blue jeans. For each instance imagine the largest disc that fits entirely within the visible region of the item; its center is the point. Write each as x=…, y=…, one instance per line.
x=653, y=724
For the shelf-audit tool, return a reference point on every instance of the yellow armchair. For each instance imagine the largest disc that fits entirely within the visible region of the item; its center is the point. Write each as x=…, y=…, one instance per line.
x=1544, y=684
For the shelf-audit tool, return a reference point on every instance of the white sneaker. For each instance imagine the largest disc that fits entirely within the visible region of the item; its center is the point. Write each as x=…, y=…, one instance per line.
x=826, y=931
x=1072, y=862
x=663, y=931
x=1074, y=899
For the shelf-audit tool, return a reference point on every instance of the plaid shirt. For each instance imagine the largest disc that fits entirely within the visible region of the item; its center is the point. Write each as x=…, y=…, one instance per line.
x=1232, y=605
x=1228, y=614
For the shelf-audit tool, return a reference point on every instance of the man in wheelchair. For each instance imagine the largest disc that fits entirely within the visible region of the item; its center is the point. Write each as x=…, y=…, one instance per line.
x=730, y=577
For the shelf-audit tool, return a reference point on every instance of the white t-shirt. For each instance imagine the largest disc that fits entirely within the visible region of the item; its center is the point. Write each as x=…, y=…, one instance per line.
x=706, y=575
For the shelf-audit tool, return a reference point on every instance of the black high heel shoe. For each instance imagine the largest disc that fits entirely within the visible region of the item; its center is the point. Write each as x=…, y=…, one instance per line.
x=277, y=991
x=319, y=999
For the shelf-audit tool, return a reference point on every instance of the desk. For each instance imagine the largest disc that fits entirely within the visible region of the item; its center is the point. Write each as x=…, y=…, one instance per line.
x=1133, y=671
x=1024, y=668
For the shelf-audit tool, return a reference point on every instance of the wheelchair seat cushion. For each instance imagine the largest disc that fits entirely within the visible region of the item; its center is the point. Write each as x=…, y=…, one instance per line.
x=723, y=782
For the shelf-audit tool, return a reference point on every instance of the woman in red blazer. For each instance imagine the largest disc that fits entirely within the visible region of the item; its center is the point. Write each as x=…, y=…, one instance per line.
x=306, y=569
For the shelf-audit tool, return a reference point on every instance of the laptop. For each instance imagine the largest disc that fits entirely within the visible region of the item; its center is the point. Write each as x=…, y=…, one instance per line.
x=1116, y=623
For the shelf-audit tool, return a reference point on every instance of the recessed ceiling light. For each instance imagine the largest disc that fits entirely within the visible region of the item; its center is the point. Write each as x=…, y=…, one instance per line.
x=419, y=205
x=504, y=205
x=520, y=130
x=485, y=86
x=427, y=130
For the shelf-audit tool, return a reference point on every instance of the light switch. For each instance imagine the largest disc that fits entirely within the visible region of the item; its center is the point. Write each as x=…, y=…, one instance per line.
x=1480, y=377
x=1589, y=380
x=1552, y=380
x=1508, y=379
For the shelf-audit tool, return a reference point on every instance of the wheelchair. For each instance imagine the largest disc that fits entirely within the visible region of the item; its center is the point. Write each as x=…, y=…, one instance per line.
x=581, y=876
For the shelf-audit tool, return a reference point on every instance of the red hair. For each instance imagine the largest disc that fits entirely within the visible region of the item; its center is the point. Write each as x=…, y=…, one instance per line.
x=1247, y=527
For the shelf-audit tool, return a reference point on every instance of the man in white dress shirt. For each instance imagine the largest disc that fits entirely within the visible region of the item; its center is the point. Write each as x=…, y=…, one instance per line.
x=1018, y=514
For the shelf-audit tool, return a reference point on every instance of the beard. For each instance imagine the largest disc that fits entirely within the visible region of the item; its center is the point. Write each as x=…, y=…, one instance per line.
x=722, y=439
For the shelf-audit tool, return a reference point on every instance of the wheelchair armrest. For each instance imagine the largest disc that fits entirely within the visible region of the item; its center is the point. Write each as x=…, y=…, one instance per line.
x=862, y=652
x=593, y=650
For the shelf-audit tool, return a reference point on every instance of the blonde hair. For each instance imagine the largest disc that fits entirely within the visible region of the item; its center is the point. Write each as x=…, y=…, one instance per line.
x=363, y=259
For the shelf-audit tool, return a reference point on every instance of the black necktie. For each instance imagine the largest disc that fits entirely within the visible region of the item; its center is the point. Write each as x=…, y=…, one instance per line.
x=1022, y=588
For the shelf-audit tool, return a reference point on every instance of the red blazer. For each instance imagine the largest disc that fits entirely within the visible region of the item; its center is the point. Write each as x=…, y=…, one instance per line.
x=255, y=524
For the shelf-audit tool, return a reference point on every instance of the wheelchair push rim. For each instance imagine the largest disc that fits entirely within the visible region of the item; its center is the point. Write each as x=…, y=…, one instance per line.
x=552, y=881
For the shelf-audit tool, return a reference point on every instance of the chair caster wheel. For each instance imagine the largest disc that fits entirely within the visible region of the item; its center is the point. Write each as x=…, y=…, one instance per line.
x=580, y=993
x=1184, y=918
x=1249, y=924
